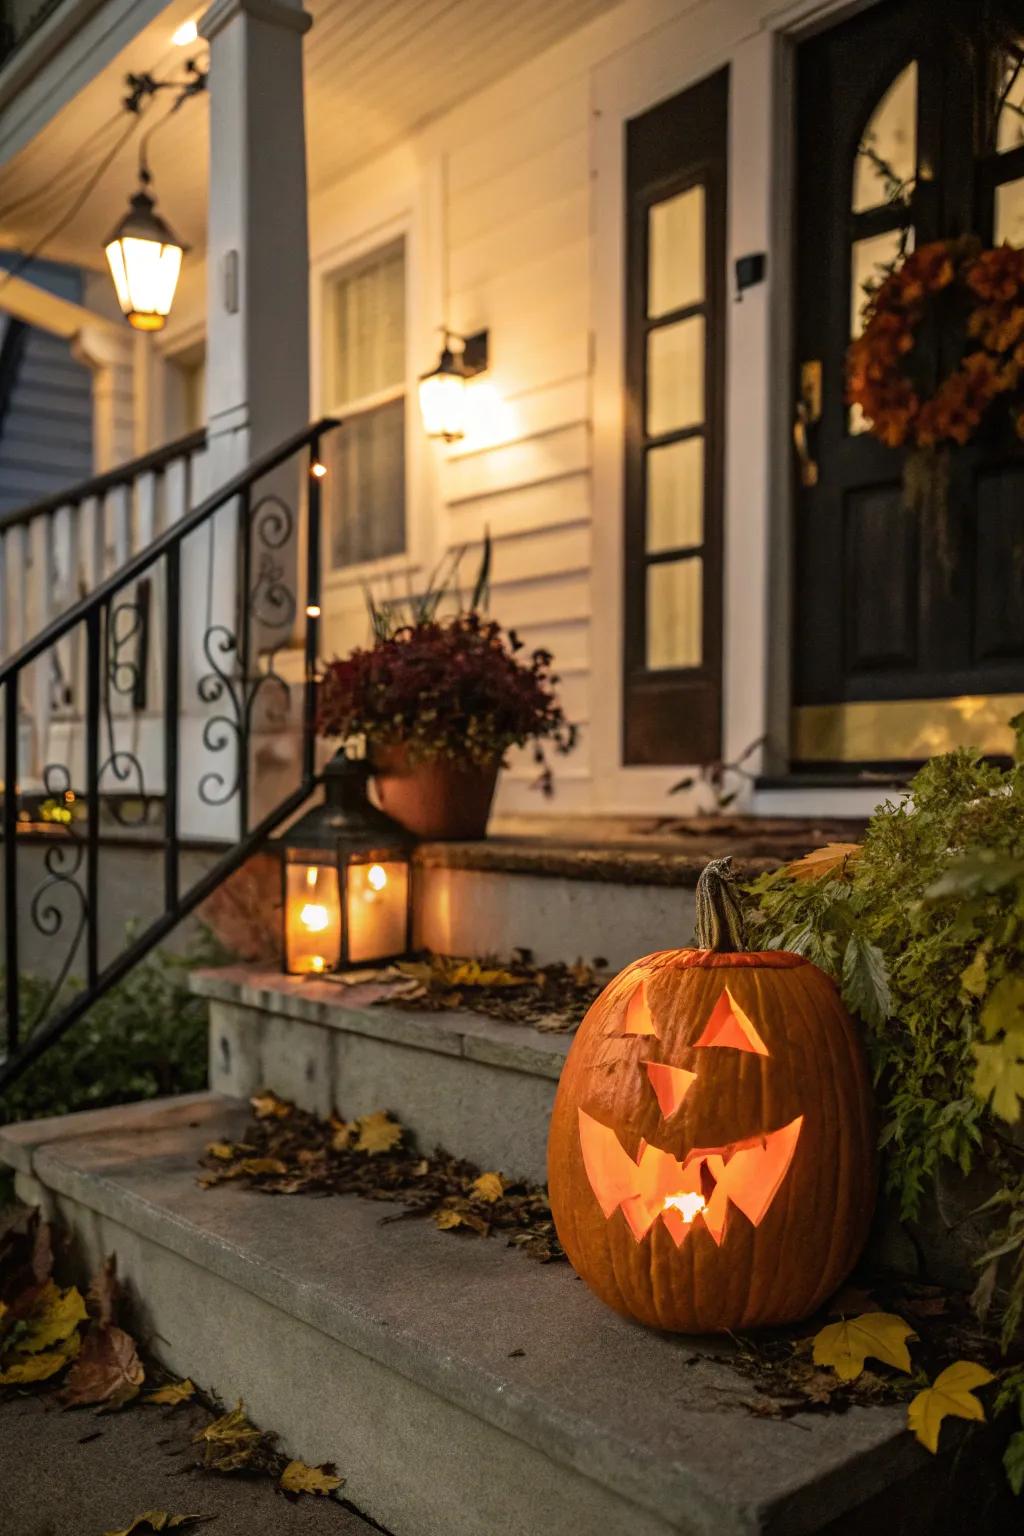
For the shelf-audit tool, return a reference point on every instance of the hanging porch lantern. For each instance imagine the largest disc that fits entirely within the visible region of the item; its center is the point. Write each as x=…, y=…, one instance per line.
x=144, y=256
x=347, y=881
x=443, y=390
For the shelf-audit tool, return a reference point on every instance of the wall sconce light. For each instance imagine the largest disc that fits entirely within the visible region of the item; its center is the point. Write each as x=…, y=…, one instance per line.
x=443, y=389
x=347, y=881
x=144, y=257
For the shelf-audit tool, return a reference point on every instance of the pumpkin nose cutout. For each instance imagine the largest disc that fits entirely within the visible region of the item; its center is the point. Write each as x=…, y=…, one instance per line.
x=730, y=1026
x=670, y=1084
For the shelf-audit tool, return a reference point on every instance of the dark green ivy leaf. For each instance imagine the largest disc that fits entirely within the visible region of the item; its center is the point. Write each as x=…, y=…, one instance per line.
x=1013, y=1461
x=981, y=872
x=865, y=985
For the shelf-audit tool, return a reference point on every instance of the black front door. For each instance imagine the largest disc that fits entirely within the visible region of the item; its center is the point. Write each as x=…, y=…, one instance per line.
x=908, y=615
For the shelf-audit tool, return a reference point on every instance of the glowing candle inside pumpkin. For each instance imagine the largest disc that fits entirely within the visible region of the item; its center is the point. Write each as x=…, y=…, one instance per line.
x=688, y=1205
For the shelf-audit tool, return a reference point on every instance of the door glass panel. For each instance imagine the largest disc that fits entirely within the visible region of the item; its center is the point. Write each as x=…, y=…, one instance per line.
x=886, y=164
x=675, y=495
x=675, y=241
x=675, y=613
x=870, y=261
x=1010, y=121
x=1009, y=212
x=675, y=376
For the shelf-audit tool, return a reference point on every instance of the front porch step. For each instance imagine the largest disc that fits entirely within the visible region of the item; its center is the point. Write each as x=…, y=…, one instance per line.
x=461, y=1389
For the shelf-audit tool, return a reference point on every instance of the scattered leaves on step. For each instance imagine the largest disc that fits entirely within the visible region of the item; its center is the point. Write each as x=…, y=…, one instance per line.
x=174, y=1393
x=232, y=1444
x=108, y=1372
x=378, y=1133
x=298, y=1478
x=267, y=1106
x=296, y=1153
x=846, y=1345
x=833, y=860
x=47, y=1317
x=488, y=1187
x=951, y=1395
x=221, y=1149
x=551, y=997
x=24, y=1370
x=159, y=1520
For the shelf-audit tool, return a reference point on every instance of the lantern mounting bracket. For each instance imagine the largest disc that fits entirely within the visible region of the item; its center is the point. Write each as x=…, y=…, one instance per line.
x=473, y=357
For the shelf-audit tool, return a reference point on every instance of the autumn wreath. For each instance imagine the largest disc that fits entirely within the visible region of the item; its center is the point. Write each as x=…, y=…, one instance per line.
x=950, y=294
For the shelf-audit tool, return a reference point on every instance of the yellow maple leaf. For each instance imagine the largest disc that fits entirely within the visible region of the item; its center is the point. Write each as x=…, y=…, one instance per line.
x=223, y=1150
x=378, y=1133
x=446, y=1220
x=833, y=859
x=999, y=1077
x=488, y=1187
x=256, y=1167
x=267, y=1106
x=169, y=1396
x=23, y=1369
x=298, y=1478
x=845, y=1346
x=950, y=1395
x=55, y=1314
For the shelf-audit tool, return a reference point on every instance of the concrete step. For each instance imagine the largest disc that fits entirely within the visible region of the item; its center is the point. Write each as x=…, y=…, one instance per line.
x=462, y=1389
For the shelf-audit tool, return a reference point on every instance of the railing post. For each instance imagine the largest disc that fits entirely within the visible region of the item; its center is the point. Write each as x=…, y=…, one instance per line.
x=93, y=638
x=172, y=705
x=312, y=609
x=11, y=860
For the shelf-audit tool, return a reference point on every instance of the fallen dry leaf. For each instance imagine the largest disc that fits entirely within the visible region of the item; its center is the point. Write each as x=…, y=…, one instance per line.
x=26, y=1254
x=230, y=1442
x=267, y=1106
x=102, y=1296
x=52, y=1316
x=833, y=859
x=951, y=1395
x=846, y=1345
x=171, y=1395
x=223, y=1150
x=159, y=1520
x=23, y=1369
x=255, y=1166
x=108, y=1372
x=378, y=1133
x=298, y=1478
x=488, y=1187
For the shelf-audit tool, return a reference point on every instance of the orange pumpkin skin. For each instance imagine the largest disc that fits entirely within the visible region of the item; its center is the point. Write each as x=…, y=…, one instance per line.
x=812, y=1232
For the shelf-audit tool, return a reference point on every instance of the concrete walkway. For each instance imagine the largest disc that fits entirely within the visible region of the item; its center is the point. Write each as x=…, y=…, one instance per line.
x=57, y=1480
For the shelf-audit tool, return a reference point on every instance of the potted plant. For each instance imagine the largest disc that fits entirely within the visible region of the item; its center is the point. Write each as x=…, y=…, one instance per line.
x=440, y=700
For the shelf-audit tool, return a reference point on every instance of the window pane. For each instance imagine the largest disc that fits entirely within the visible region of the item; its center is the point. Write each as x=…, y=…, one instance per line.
x=886, y=164
x=675, y=495
x=675, y=376
x=870, y=261
x=675, y=271
x=1009, y=213
x=369, y=329
x=675, y=617
x=1010, y=125
x=365, y=486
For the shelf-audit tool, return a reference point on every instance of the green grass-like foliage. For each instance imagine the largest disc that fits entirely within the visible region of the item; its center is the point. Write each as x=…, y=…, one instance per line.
x=924, y=933
x=146, y=1038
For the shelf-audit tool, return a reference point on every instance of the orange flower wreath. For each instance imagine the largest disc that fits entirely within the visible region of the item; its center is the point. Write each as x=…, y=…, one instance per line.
x=960, y=286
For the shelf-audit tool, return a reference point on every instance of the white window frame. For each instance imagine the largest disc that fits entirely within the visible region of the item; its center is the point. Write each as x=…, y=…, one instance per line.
x=342, y=244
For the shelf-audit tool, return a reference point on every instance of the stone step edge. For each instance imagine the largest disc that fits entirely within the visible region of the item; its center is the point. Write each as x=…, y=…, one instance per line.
x=493, y=1042
x=35, y=1149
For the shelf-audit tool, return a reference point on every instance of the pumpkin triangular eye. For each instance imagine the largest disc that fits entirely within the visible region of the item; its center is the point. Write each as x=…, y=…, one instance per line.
x=729, y=1026
x=670, y=1084
x=638, y=1014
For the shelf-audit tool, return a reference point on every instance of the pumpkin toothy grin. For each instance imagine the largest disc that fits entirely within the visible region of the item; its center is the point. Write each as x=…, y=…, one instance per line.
x=655, y=1184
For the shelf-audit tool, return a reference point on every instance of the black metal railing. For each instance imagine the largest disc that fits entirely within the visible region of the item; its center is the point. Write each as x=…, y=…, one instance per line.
x=224, y=582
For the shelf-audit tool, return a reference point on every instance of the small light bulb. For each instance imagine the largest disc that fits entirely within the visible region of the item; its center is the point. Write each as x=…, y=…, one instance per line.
x=186, y=33
x=317, y=963
x=312, y=610
x=314, y=917
x=318, y=469
x=376, y=877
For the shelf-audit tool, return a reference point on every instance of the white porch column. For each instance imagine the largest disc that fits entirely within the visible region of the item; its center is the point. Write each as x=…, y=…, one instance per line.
x=257, y=373
x=257, y=337
x=110, y=356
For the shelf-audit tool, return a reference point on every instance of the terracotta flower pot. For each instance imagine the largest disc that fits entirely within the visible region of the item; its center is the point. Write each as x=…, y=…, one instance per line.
x=438, y=799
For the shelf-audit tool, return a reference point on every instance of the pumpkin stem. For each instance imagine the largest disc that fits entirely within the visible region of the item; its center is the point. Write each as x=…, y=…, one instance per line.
x=720, y=924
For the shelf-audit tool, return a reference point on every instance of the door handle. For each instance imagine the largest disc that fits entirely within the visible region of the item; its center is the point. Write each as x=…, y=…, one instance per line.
x=801, y=442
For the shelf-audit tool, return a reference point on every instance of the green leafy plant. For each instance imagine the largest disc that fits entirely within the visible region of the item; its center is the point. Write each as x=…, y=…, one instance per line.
x=923, y=930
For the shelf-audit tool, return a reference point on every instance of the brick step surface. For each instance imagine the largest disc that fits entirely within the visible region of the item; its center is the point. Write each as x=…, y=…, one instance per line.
x=461, y=1388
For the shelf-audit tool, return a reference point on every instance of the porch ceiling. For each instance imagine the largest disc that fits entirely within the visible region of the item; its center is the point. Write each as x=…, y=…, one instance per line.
x=375, y=70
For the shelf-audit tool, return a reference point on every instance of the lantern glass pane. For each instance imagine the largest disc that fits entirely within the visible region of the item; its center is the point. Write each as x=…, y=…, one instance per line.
x=377, y=901
x=151, y=273
x=115, y=260
x=312, y=917
x=443, y=405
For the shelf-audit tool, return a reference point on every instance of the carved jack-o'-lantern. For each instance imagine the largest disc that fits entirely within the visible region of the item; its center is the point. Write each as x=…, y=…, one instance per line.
x=711, y=1157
